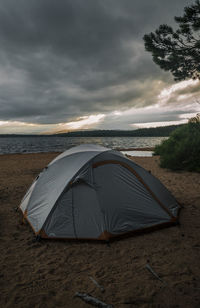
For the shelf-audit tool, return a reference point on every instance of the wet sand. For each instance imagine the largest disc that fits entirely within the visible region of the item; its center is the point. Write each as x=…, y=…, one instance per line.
x=49, y=273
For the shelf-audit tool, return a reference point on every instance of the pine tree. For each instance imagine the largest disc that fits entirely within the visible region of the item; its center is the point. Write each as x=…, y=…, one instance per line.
x=178, y=51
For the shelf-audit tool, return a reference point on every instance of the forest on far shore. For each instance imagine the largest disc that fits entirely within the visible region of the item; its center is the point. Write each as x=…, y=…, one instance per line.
x=161, y=131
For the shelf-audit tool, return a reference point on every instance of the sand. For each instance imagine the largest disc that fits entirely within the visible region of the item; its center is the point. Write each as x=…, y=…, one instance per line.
x=48, y=273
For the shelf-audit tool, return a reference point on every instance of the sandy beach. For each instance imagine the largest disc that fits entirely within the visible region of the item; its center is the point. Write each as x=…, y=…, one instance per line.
x=49, y=273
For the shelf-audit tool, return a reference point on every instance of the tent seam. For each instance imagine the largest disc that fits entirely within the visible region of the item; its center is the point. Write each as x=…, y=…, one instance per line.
x=73, y=218
x=141, y=181
x=68, y=185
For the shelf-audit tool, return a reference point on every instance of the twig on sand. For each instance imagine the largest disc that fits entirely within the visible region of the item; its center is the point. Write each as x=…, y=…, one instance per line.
x=149, y=268
x=92, y=300
x=97, y=284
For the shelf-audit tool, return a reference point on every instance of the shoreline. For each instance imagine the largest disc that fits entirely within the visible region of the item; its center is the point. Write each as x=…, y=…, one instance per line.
x=58, y=152
x=49, y=273
x=136, y=149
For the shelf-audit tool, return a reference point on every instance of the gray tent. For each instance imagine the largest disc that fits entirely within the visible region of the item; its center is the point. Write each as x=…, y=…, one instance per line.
x=91, y=192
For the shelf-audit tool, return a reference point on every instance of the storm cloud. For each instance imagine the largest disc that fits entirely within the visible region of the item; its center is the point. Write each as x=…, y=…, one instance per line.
x=61, y=60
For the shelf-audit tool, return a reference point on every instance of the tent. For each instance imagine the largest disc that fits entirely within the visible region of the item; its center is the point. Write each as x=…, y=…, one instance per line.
x=92, y=192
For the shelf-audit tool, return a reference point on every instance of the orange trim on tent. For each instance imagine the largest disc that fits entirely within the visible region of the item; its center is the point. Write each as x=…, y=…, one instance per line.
x=107, y=236
x=25, y=216
x=101, y=163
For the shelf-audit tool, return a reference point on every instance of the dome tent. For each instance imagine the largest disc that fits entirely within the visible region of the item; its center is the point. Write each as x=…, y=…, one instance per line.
x=92, y=192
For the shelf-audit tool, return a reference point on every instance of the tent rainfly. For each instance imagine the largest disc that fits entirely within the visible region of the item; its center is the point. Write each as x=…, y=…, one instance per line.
x=92, y=192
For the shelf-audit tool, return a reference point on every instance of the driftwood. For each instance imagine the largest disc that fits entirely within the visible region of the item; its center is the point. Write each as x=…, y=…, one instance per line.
x=97, y=284
x=149, y=268
x=92, y=300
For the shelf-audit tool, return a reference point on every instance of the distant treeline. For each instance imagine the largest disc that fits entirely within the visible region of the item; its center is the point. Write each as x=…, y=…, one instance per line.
x=143, y=132
x=163, y=131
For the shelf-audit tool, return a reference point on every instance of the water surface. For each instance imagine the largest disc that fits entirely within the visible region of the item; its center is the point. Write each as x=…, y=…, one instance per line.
x=39, y=144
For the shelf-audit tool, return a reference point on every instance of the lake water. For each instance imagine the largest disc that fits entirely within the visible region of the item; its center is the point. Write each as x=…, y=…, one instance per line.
x=38, y=144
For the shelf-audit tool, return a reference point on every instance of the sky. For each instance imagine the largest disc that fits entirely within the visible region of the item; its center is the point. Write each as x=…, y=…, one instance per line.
x=73, y=64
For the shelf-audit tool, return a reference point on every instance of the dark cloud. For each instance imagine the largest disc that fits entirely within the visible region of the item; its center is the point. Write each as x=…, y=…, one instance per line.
x=63, y=59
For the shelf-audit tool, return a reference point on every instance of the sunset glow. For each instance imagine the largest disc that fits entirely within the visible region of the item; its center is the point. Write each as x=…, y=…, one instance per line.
x=81, y=123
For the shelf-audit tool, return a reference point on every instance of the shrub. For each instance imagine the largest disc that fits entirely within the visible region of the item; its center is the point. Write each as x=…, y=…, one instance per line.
x=182, y=150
